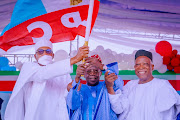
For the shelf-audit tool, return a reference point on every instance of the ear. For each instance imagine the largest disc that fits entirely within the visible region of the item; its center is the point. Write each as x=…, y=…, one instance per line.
x=35, y=57
x=53, y=55
x=152, y=67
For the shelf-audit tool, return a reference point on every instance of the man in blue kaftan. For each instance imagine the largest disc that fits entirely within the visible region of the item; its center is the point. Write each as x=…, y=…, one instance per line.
x=90, y=101
x=178, y=117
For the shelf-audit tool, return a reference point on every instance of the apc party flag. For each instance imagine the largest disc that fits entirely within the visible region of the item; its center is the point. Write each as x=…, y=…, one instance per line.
x=54, y=20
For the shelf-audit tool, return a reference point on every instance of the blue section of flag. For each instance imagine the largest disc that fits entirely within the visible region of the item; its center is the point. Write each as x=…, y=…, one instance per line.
x=178, y=92
x=24, y=10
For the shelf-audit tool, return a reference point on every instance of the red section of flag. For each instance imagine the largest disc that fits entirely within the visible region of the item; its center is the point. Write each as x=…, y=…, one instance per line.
x=20, y=36
x=83, y=81
x=125, y=81
x=175, y=84
x=7, y=85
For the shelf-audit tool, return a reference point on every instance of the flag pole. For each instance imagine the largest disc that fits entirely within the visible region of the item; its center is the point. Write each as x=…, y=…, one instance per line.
x=89, y=19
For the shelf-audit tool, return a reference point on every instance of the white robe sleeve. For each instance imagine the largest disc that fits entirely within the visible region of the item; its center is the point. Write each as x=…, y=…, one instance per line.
x=119, y=104
x=115, y=102
x=52, y=70
x=168, y=102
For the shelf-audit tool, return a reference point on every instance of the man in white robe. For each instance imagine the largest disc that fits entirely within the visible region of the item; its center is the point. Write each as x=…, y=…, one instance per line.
x=149, y=98
x=40, y=90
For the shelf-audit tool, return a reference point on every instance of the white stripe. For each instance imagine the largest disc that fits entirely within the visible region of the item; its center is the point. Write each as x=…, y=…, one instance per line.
x=89, y=19
x=177, y=77
x=132, y=77
x=55, y=5
x=124, y=77
x=9, y=78
x=166, y=77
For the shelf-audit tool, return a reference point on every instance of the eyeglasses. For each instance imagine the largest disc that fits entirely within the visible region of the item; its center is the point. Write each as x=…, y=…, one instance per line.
x=41, y=51
x=94, y=71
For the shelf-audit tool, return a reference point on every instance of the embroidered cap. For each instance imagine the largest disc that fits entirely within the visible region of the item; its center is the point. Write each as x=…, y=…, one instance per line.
x=96, y=56
x=43, y=43
x=143, y=53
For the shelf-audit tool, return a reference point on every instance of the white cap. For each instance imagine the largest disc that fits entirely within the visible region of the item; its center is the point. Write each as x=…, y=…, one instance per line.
x=43, y=43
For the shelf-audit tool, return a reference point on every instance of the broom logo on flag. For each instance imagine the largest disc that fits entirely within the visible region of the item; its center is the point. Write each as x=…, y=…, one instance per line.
x=75, y=2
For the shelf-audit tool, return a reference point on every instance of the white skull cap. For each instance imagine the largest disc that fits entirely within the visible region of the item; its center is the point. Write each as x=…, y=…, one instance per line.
x=43, y=43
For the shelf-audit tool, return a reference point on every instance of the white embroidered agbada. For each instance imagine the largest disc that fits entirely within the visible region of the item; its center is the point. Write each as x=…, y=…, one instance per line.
x=155, y=100
x=40, y=91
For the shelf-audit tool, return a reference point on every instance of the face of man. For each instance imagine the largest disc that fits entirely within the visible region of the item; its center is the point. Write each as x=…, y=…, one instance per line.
x=43, y=51
x=92, y=75
x=143, y=69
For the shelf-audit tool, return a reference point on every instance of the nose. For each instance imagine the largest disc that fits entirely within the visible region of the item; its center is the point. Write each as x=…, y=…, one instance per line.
x=141, y=66
x=44, y=53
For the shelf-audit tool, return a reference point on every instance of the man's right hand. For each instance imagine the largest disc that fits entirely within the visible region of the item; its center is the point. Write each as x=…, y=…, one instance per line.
x=69, y=86
x=82, y=53
x=79, y=72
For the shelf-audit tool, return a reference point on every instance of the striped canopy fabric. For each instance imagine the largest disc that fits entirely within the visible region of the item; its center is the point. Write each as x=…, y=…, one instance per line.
x=8, y=80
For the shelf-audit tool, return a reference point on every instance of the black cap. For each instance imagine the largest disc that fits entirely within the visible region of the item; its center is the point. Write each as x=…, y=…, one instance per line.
x=143, y=53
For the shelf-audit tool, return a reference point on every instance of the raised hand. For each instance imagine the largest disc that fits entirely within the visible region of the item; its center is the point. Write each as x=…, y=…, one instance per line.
x=109, y=80
x=82, y=53
x=79, y=72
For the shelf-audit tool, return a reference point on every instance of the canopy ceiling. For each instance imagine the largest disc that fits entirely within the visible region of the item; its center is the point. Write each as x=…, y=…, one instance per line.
x=127, y=25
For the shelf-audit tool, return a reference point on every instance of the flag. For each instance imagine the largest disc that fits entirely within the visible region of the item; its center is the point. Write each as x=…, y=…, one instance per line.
x=55, y=20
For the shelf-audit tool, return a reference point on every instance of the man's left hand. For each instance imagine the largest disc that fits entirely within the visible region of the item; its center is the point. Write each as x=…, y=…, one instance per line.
x=109, y=79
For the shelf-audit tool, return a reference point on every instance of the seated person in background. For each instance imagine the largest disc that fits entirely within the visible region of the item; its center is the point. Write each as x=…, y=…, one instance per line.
x=149, y=98
x=90, y=101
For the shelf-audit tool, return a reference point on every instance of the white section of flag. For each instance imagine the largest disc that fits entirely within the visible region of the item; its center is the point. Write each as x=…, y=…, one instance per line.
x=8, y=78
x=177, y=77
x=55, y=5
